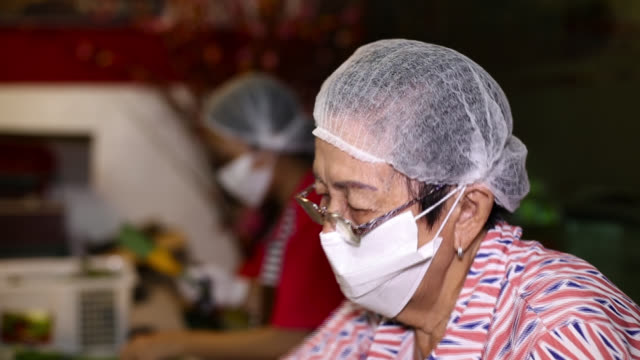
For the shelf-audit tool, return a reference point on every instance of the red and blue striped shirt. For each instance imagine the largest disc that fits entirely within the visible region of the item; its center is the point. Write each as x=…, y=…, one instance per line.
x=519, y=301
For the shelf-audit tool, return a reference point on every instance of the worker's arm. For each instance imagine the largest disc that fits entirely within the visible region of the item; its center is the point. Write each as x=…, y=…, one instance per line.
x=260, y=343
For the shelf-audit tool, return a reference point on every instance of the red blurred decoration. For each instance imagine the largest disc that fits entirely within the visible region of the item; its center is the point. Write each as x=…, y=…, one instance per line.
x=78, y=55
x=200, y=42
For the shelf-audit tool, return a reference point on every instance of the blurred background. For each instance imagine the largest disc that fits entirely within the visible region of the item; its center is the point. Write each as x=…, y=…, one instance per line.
x=99, y=107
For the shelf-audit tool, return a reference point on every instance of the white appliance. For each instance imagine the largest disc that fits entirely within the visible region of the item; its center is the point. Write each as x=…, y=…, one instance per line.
x=86, y=312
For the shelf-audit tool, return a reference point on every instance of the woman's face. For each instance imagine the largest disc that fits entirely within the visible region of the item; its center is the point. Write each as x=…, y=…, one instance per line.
x=358, y=190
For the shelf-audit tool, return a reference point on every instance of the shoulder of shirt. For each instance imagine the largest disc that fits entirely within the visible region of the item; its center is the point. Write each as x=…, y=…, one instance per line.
x=559, y=288
x=596, y=339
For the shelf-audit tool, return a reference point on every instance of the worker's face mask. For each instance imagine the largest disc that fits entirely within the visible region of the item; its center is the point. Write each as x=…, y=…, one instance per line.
x=383, y=270
x=245, y=181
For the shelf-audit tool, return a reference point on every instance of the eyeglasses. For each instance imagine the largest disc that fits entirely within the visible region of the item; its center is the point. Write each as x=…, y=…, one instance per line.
x=321, y=215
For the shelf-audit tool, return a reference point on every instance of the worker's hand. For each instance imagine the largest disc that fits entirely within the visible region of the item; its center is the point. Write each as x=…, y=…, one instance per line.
x=156, y=346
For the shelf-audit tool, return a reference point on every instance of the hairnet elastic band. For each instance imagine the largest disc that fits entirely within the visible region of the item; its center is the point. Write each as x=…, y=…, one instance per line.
x=346, y=147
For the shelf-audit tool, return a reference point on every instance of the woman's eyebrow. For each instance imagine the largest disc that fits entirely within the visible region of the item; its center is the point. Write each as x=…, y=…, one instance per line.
x=354, y=184
x=346, y=184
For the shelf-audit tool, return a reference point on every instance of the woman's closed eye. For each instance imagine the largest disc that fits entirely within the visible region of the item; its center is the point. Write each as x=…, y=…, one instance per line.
x=360, y=215
x=359, y=210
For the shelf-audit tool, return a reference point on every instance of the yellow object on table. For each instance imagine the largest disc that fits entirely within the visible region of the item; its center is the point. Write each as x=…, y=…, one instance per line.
x=162, y=260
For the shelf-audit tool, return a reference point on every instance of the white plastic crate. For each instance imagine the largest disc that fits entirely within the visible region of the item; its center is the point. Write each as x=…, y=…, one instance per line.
x=89, y=313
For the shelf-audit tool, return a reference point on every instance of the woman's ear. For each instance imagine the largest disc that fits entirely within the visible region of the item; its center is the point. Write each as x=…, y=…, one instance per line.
x=474, y=210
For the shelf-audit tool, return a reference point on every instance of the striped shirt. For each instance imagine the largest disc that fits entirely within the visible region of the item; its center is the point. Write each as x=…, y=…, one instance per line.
x=519, y=301
x=275, y=248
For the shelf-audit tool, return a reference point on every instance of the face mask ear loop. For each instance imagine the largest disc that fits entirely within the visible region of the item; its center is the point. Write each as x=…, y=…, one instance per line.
x=461, y=190
x=430, y=208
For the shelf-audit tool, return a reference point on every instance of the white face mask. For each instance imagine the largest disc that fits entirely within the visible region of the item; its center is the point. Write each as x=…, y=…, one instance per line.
x=383, y=270
x=245, y=182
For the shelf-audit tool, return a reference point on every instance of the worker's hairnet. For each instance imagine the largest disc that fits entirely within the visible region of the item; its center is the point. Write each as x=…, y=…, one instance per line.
x=260, y=111
x=428, y=111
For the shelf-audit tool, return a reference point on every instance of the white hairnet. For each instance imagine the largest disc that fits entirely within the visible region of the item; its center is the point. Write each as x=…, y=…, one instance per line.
x=430, y=112
x=262, y=112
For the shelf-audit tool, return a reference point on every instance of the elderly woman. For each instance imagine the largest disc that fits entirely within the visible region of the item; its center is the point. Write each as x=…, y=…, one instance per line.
x=415, y=160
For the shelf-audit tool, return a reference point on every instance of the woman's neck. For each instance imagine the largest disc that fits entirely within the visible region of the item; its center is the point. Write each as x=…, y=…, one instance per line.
x=430, y=308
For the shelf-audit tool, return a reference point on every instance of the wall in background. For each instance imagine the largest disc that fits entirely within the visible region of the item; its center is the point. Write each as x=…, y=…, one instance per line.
x=143, y=162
